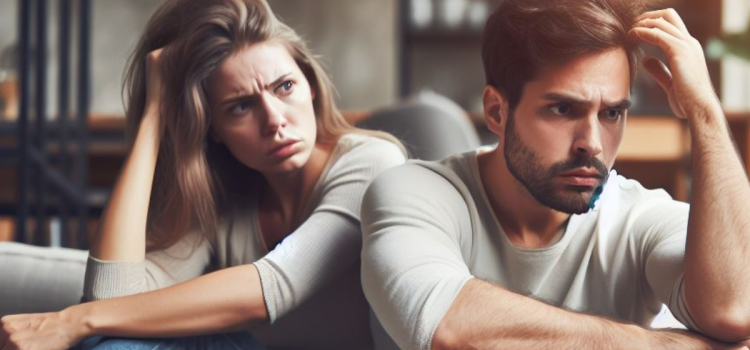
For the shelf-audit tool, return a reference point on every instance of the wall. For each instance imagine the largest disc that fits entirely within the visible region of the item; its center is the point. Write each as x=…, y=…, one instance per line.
x=356, y=39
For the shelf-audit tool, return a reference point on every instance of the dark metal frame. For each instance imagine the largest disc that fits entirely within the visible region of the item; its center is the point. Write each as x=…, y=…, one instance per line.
x=36, y=165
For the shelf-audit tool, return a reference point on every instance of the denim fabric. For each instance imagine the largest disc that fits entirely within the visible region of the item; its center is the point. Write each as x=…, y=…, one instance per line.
x=229, y=341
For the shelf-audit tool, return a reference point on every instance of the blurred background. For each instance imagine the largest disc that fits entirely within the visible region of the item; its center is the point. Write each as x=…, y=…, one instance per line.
x=62, y=61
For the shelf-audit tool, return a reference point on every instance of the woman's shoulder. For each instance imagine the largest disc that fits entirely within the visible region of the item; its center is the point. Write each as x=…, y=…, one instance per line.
x=368, y=147
x=357, y=153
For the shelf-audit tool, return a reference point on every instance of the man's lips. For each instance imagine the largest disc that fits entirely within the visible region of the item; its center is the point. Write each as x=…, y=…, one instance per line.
x=582, y=173
x=283, y=149
x=582, y=177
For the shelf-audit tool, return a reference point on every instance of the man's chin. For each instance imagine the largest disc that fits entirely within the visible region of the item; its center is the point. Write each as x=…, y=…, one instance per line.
x=570, y=200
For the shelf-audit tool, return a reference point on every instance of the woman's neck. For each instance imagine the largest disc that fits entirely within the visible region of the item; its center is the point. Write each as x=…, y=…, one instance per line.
x=288, y=195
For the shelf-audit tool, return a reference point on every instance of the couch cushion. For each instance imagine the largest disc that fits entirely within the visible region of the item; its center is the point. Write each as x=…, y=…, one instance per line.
x=35, y=279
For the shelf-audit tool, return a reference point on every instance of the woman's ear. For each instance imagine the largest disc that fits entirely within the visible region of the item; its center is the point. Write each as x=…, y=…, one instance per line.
x=495, y=110
x=214, y=136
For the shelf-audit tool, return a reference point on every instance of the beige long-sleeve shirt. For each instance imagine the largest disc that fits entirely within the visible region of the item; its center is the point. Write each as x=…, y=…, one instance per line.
x=310, y=281
x=429, y=228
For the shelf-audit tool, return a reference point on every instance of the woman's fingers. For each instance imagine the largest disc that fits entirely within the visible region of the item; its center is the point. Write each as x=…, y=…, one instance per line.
x=154, y=84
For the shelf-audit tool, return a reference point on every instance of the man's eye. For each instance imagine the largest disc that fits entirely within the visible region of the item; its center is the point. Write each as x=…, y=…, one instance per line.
x=613, y=114
x=561, y=109
x=241, y=108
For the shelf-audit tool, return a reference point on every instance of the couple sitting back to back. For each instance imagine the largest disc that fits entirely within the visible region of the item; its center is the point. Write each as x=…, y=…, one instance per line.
x=247, y=203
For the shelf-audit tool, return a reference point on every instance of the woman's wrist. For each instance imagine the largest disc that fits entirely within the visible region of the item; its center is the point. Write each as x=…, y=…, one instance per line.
x=80, y=319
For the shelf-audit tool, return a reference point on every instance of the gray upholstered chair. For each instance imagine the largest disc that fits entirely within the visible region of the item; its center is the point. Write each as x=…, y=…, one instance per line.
x=430, y=126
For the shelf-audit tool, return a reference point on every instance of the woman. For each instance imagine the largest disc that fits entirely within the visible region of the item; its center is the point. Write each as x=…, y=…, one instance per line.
x=245, y=167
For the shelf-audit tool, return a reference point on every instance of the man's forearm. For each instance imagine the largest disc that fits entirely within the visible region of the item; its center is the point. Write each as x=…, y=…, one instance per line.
x=485, y=316
x=717, y=275
x=224, y=301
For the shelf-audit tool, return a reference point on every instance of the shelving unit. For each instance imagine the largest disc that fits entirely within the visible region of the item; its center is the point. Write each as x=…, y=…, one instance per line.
x=51, y=156
x=442, y=58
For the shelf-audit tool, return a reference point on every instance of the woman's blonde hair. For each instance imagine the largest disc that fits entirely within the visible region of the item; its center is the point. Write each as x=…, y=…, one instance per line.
x=192, y=171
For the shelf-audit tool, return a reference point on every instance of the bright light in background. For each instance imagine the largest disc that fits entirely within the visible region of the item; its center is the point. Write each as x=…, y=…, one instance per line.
x=735, y=72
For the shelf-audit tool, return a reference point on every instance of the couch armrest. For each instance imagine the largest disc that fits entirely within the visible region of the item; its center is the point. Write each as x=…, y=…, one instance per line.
x=35, y=279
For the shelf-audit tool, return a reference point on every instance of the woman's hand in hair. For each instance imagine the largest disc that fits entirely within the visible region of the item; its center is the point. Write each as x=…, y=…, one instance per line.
x=684, y=77
x=154, y=87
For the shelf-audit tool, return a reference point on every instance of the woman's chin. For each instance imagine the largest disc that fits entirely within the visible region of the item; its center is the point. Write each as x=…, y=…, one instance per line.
x=287, y=166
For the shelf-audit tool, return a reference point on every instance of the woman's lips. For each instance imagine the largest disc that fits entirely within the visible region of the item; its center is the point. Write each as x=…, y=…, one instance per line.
x=284, y=150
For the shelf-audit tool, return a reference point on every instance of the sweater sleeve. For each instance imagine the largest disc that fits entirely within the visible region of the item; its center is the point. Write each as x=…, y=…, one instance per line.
x=415, y=223
x=329, y=241
x=186, y=259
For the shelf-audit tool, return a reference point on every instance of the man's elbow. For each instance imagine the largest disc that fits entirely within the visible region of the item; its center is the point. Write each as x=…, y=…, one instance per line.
x=445, y=337
x=729, y=326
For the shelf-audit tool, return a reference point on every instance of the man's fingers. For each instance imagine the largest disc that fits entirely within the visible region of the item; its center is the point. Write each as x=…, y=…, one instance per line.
x=657, y=37
x=670, y=15
x=660, y=72
x=662, y=24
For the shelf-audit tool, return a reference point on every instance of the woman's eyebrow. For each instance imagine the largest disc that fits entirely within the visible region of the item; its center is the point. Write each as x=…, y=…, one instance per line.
x=279, y=80
x=244, y=96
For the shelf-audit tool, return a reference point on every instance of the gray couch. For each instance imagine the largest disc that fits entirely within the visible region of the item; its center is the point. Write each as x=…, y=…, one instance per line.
x=34, y=279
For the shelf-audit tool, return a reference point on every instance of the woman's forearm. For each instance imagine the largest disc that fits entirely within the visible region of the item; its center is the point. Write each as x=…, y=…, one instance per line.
x=122, y=232
x=223, y=301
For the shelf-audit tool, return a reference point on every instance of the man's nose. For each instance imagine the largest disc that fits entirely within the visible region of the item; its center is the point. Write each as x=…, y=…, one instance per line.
x=588, y=140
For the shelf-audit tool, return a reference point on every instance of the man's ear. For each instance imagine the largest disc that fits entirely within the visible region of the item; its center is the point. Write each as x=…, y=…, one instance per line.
x=495, y=110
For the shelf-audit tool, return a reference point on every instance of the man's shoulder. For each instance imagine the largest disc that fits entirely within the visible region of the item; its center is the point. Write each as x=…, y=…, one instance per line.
x=445, y=174
x=627, y=198
x=437, y=181
x=628, y=190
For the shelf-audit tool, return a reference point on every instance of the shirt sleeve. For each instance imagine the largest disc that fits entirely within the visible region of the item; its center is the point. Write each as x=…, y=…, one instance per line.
x=417, y=229
x=186, y=259
x=663, y=223
x=329, y=241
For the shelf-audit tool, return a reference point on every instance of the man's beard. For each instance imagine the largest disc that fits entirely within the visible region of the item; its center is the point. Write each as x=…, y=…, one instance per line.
x=526, y=166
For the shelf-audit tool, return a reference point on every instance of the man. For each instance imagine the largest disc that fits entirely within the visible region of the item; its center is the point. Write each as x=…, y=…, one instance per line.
x=537, y=243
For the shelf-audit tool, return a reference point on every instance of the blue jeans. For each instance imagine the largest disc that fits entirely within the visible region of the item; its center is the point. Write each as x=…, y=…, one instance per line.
x=228, y=341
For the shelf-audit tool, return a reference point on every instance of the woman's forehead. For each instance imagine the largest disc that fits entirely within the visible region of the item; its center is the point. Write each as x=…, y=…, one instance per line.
x=254, y=67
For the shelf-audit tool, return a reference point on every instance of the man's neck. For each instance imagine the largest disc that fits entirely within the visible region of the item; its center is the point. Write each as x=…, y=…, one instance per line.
x=526, y=222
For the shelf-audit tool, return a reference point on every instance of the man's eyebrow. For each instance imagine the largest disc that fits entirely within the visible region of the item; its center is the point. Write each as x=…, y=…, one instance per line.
x=240, y=97
x=558, y=97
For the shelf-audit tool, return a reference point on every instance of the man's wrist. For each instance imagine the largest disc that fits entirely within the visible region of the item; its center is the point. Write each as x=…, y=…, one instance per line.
x=709, y=111
x=680, y=339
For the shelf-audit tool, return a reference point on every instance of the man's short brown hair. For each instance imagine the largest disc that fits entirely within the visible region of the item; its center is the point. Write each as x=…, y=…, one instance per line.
x=522, y=35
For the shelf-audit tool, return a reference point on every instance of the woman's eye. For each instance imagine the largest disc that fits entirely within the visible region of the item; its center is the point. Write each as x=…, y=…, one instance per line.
x=286, y=87
x=241, y=108
x=613, y=114
x=561, y=109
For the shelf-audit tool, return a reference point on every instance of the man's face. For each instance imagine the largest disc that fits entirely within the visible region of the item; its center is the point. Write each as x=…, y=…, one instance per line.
x=563, y=136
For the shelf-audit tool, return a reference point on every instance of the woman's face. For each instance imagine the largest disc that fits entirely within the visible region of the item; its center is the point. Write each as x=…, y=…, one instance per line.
x=262, y=109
